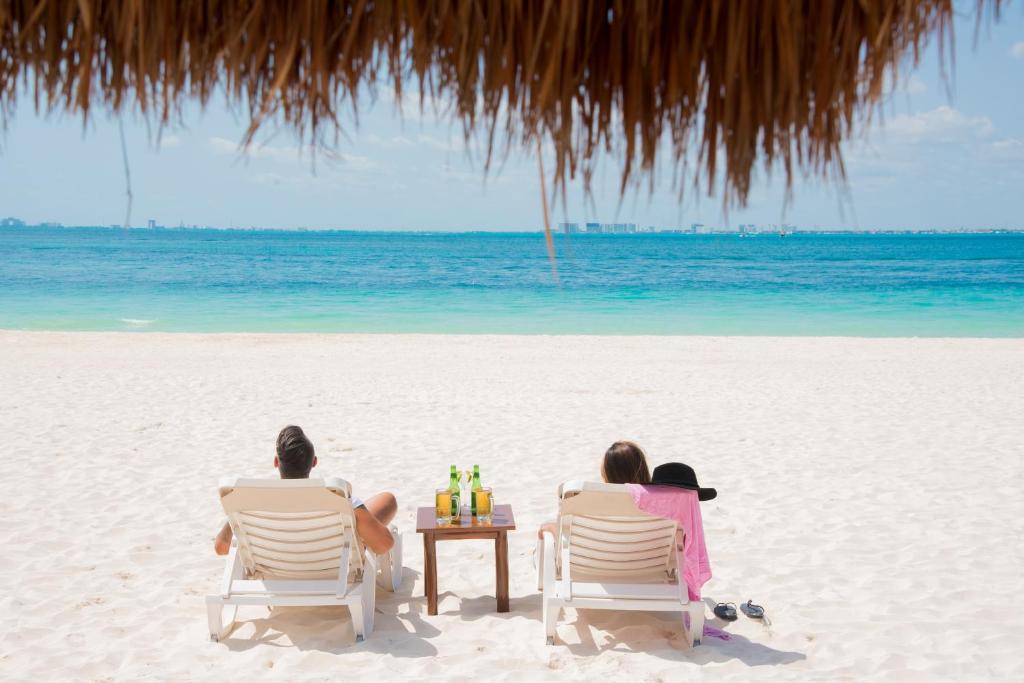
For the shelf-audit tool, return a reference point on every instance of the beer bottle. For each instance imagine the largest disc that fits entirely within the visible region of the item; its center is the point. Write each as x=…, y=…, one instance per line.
x=475, y=487
x=453, y=486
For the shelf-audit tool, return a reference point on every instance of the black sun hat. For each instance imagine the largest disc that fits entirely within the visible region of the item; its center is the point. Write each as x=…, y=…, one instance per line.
x=681, y=476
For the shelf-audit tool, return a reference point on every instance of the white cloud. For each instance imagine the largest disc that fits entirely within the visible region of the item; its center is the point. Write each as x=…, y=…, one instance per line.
x=168, y=141
x=915, y=86
x=393, y=142
x=449, y=145
x=286, y=154
x=1017, y=50
x=940, y=125
x=1009, y=148
x=409, y=109
x=224, y=146
x=354, y=161
x=904, y=86
x=256, y=151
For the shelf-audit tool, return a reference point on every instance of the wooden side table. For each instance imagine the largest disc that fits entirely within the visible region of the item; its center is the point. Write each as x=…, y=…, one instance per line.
x=465, y=528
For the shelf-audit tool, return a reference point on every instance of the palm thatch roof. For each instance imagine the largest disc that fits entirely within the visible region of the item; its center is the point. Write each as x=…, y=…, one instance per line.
x=725, y=85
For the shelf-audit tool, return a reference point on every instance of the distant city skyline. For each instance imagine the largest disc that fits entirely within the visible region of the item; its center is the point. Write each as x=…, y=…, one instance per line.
x=931, y=161
x=565, y=228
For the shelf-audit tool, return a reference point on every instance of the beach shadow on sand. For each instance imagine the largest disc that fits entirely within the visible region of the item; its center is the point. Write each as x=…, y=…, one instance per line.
x=472, y=609
x=661, y=635
x=329, y=629
x=657, y=634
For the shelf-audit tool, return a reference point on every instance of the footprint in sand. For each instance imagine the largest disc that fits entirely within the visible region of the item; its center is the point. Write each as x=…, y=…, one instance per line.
x=90, y=602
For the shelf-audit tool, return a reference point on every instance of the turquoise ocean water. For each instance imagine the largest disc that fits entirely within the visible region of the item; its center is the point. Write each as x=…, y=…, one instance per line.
x=279, y=281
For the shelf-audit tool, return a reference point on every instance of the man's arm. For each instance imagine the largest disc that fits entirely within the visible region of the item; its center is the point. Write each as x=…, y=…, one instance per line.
x=375, y=535
x=222, y=544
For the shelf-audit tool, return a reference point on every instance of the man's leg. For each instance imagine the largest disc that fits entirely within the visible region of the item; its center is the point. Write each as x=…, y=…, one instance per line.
x=383, y=506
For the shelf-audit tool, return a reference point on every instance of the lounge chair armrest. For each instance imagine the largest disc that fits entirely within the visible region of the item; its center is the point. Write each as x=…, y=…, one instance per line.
x=232, y=570
x=548, y=548
x=678, y=546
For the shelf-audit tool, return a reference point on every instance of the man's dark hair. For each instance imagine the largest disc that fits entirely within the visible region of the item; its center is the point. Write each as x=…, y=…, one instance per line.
x=294, y=453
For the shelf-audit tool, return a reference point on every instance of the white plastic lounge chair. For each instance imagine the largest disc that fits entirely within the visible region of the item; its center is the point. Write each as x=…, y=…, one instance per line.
x=295, y=544
x=612, y=556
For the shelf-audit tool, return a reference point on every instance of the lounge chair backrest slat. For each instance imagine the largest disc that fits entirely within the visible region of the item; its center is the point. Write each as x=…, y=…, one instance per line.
x=581, y=551
x=637, y=527
x=294, y=536
x=583, y=542
x=297, y=567
x=299, y=556
x=649, y=566
x=275, y=522
x=290, y=545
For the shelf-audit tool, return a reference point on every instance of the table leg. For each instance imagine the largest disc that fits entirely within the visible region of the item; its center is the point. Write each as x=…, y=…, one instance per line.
x=501, y=569
x=430, y=571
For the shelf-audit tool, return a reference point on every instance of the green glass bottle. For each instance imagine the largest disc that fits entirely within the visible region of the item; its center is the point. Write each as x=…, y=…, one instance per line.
x=474, y=487
x=453, y=486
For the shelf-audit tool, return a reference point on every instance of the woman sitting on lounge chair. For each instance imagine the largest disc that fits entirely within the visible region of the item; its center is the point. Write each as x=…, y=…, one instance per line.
x=624, y=463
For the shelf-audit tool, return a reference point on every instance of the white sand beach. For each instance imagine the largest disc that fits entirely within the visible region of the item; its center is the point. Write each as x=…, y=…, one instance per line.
x=869, y=499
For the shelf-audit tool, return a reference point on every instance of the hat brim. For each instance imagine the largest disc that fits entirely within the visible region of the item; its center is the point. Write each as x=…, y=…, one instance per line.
x=702, y=494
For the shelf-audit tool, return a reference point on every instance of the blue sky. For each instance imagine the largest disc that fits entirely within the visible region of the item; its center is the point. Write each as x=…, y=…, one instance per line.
x=944, y=154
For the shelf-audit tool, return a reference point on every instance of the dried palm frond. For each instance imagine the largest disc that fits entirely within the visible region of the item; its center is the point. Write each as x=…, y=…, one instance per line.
x=725, y=83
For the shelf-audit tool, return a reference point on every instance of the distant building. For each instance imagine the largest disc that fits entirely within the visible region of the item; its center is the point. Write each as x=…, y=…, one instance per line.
x=12, y=222
x=593, y=228
x=151, y=224
x=569, y=228
x=696, y=227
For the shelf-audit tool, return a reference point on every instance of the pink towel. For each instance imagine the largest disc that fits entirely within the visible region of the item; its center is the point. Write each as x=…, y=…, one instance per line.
x=682, y=505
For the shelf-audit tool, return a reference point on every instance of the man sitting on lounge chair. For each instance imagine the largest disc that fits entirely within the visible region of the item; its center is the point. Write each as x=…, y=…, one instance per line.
x=294, y=459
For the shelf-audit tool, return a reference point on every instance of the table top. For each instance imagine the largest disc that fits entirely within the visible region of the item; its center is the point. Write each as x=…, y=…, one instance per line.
x=502, y=520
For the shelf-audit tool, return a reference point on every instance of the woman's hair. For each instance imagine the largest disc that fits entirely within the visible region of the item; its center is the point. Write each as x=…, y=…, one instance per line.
x=625, y=463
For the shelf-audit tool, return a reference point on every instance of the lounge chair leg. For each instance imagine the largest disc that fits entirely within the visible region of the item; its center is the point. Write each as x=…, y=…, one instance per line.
x=390, y=575
x=538, y=560
x=358, y=622
x=550, y=615
x=369, y=607
x=362, y=611
x=550, y=603
x=396, y=560
x=214, y=616
x=695, y=622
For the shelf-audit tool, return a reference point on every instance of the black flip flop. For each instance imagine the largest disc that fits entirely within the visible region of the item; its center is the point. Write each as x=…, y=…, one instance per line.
x=751, y=610
x=726, y=610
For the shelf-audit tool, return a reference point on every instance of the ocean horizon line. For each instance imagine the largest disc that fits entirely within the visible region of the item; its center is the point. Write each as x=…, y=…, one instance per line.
x=661, y=232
